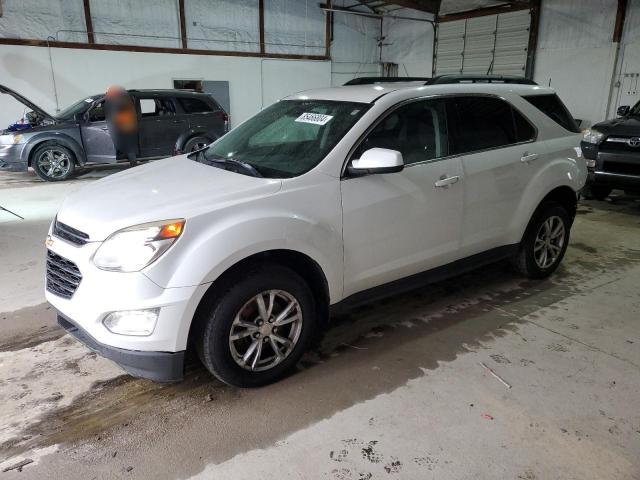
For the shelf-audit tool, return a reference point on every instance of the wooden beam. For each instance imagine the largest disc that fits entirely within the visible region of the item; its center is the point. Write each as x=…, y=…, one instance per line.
x=619, y=25
x=429, y=6
x=140, y=48
x=88, y=22
x=481, y=12
x=533, y=38
x=183, y=24
x=328, y=24
x=261, y=24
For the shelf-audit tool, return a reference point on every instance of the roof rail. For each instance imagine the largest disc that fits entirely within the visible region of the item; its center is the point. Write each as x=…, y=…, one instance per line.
x=374, y=80
x=444, y=79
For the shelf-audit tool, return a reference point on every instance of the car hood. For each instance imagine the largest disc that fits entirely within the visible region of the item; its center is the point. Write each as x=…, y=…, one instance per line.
x=26, y=102
x=626, y=126
x=175, y=187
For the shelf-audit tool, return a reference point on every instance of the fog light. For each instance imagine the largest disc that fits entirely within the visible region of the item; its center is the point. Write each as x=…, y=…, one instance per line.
x=132, y=322
x=591, y=163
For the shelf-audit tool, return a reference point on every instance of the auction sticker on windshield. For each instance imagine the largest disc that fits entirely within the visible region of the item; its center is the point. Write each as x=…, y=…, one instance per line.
x=314, y=118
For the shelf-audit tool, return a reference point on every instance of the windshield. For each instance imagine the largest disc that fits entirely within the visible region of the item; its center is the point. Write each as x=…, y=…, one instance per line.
x=288, y=138
x=78, y=107
x=635, y=110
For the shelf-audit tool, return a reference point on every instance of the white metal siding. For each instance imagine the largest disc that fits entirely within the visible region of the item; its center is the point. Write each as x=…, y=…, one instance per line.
x=489, y=44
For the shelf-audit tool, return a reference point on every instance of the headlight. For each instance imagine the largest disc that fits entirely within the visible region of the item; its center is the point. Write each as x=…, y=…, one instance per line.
x=592, y=136
x=133, y=248
x=132, y=322
x=11, y=139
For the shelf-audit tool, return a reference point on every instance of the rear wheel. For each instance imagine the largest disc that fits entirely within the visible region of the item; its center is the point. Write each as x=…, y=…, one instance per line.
x=258, y=327
x=196, y=143
x=545, y=241
x=53, y=162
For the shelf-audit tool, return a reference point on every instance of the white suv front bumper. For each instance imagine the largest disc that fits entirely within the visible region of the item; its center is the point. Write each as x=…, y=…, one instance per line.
x=157, y=356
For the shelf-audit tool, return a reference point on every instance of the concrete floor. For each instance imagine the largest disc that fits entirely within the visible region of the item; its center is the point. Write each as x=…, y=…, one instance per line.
x=394, y=391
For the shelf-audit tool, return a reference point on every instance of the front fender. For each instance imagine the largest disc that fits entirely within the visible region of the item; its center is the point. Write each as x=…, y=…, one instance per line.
x=61, y=138
x=215, y=241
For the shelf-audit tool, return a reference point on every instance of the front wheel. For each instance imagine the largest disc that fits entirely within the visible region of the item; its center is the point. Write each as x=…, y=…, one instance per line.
x=53, y=162
x=544, y=243
x=258, y=327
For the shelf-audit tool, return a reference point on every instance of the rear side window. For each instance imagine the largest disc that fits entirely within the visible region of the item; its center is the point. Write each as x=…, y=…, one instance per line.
x=483, y=123
x=194, y=105
x=156, y=107
x=553, y=108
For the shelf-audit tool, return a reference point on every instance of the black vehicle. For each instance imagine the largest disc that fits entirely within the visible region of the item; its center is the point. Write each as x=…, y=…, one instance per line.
x=56, y=146
x=612, y=150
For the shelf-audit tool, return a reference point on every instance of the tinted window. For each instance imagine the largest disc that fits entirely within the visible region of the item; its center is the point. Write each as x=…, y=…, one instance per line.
x=158, y=106
x=194, y=105
x=417, y=130
x=484, y=122
x=290, y=137
x=553, y=108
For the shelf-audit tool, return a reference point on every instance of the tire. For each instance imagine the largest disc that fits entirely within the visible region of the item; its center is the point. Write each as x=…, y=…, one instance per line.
x=195, y=143
x=596, y=192
x=235, y=311
x=530, y=260
x=53, y=162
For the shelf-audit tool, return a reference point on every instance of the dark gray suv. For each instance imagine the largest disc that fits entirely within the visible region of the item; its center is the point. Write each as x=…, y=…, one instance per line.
x=57, y=146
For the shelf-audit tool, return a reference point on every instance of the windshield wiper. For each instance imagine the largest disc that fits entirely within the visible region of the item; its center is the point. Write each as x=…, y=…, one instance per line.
x=218, y=160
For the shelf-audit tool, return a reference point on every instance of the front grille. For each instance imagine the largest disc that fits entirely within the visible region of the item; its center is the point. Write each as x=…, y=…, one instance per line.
x=63, y=276
x=69, y=234
x=619, y=144
x=621, y=168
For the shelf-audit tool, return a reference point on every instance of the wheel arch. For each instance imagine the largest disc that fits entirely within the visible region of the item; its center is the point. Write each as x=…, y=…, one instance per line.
x=189, y=134
x=59, y=139
x=566, y=197
x=297, y=261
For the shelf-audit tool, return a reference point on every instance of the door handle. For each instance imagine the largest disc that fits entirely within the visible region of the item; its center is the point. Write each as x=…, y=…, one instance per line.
x=528, y=157
x=445, y=181
x=104, y=128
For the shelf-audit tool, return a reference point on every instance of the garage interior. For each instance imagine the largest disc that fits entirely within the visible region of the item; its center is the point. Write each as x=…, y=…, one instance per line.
x=484, y=375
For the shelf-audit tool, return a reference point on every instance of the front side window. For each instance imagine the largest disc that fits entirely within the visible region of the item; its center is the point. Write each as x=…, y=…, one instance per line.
x=483, y=123
x=96, y=114
x=418, y=130
x=288, y=138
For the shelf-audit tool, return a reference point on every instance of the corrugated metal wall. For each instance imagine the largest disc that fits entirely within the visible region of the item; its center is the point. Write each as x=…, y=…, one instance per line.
x=488, y=44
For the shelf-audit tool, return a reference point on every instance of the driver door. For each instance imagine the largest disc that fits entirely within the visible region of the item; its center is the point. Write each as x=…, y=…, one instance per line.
x=98, y=144
x=400, y=224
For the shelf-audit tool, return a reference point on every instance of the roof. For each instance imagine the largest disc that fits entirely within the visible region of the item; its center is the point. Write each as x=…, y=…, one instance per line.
x=370, y=93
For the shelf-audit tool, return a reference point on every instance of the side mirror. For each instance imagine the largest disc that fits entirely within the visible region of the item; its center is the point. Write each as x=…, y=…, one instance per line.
x=376, y=160
x=623, y=110
x=80, y=117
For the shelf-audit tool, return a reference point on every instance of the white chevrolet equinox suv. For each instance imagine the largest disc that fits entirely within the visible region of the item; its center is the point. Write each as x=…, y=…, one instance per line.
x=327, y=198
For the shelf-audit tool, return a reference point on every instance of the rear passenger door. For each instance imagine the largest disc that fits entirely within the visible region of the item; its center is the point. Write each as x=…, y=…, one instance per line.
x=499, y=150
x=160, y=125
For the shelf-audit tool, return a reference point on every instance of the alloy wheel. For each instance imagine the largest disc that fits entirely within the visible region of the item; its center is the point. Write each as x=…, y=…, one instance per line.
x=266, y=330
x=549, y=242
x=54, y=163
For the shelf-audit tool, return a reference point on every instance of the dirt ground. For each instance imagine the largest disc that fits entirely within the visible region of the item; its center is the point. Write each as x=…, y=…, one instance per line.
x=396, y=389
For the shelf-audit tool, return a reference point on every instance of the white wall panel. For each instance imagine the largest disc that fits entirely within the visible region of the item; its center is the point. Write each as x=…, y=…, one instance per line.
x=354, y=50
x=408, y=43
x=35, y=19
x=83, y=72
x=223, y=25
x=575, y=54
x=136, y=22
x=294, y=27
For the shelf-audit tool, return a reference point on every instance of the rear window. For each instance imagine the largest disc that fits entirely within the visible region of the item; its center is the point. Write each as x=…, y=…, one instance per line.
x=483, y=123
x=553, y=108
x=194, y=105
